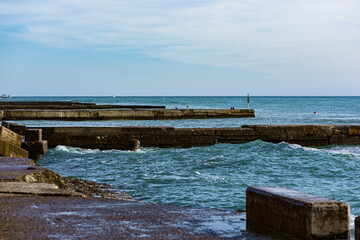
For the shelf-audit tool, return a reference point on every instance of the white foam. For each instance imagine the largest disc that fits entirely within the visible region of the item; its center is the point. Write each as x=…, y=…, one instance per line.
x=76, y=150
x=343, y=150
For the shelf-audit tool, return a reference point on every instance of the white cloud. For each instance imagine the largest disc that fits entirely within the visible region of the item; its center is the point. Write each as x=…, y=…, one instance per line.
x=255, y=34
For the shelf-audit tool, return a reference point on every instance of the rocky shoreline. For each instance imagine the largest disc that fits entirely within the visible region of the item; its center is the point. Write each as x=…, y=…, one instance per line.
x=94, y=189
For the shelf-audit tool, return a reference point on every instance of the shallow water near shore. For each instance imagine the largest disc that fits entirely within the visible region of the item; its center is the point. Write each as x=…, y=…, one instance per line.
x=217, y=176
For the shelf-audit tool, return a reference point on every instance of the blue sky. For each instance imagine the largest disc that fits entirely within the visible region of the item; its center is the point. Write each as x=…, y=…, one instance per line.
x=167, y=48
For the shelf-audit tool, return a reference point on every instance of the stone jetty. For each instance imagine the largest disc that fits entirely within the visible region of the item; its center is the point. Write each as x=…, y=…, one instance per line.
x=168, y=137
x=7, y=105
x=68, y=111
x=122, y=114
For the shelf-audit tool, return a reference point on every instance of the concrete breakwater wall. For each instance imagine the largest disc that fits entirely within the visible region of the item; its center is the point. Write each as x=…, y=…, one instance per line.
x=167, y=137
x=69, y=105
x=112, y=114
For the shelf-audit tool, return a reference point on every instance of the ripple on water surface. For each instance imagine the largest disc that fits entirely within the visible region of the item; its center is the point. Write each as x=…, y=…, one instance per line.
x=216, y=176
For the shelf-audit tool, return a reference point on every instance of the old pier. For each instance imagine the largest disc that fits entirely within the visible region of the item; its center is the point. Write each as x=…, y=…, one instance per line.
x=67, y=111
x=168, y=137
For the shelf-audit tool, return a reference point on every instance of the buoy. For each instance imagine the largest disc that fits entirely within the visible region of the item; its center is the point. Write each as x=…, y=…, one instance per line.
x=314, y=112
x=188, y=106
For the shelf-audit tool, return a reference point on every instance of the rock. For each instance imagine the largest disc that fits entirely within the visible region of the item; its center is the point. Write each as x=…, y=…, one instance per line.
x=40, y=189
x=94, y=189
x=132, y=145
x=33, y=135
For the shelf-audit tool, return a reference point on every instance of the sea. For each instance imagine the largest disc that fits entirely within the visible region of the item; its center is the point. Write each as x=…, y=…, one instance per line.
x=217, y=176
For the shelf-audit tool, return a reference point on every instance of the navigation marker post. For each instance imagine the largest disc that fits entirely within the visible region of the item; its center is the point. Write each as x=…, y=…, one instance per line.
x=248, y=101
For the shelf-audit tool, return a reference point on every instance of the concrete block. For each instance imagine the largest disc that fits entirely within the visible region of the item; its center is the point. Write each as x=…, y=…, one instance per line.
x=300, y=214
x=357, y=228
x=42, y=189
x=10, y=150
x=5, y=124
x=19, y=129
x=33, y=135
x=10, y=136
x=35, y=148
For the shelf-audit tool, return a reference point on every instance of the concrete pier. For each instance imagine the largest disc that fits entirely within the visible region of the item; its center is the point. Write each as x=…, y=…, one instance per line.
x=116, y=114
x=299, y=214
x=168, y=137
x=70, y=105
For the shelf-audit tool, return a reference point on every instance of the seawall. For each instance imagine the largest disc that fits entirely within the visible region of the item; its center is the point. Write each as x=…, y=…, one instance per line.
x=168, y=137
x=122, y=114
x=69, y=105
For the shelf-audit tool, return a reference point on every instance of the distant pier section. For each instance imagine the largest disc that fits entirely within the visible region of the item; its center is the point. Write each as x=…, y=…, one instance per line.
x=169, y=137
x=70, y=105
x=70, y=111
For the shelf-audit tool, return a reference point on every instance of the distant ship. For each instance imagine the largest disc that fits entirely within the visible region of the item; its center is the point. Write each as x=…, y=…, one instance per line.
x=4, y=96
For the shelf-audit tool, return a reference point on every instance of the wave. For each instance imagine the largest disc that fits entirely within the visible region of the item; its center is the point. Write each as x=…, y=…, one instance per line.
x=83, y=151
x=333, y=150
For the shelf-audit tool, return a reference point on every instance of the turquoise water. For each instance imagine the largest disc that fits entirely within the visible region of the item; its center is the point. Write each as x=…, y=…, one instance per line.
x=217, y=176
x=268, y=110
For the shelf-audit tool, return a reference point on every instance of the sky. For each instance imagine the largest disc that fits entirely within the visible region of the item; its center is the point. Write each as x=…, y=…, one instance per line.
x=180, y=47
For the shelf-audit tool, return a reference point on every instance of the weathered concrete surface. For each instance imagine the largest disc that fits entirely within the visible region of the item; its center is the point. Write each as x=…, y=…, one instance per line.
x=154, y=114
x=11, y=150
x=94, y=189
x=300, y=214
x=70, y=105
x=166, y=137
x=97, y=218
x=10, y=136
x=39, y=189
x=28, y=173
x=33, y=147
x=357, y=228
x=10, y=144
x=33, y=135
x=16, y=161
x=17, y=128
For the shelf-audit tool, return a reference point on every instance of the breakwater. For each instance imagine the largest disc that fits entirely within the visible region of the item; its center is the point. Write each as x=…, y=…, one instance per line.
x=69, y=105
x=122, y=114
x=168, y=137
